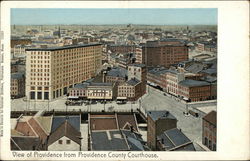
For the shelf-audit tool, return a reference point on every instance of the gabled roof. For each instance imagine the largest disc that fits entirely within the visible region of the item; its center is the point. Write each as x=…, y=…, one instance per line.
x=65, y=129
x=155, y=115
x=124, y=121
x=174, y=139
x=58, y=120
x=45, y=122
x=211, y=117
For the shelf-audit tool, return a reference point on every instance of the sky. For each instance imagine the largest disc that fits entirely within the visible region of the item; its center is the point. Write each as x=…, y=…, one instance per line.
x=153, y=16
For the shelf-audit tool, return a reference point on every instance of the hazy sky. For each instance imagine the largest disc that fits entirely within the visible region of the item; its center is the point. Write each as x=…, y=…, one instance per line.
x=24, y=16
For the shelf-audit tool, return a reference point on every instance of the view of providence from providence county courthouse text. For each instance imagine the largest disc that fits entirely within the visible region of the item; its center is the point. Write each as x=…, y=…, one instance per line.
x=113, y=79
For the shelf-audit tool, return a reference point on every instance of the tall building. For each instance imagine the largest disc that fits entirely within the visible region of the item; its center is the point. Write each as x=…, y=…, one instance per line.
x=164, y=52
x=51, y=71
x=138, y=71
x=158, y=122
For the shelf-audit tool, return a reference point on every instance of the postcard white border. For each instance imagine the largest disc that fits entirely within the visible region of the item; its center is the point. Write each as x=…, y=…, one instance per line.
x=233, y=72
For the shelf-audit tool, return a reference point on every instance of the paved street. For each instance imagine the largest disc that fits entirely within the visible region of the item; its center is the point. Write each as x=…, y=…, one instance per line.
x=154, y=100
x=189, y=125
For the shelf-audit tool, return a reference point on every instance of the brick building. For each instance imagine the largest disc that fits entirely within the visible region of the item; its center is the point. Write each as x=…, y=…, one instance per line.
x=138, y=55
x=157, y=77
x=17, y=88
x=209, y=127
x=193, y=90
x=164, y=53
x=131, y=90
x=116, y=75
x=51, y=71
x=158, y=122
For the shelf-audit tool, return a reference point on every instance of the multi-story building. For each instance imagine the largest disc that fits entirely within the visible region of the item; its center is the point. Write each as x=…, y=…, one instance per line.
x=138, y=55
x=158, y=122
x=193, y=90
x=138, y=71
x=164, y=53
x=51, y=71
x=130, y=90
x=100, y=91
x=157, y=77
x=209, y=126
x=173, y=79
x=79, y=90
x=116, y=75
x=17, y=85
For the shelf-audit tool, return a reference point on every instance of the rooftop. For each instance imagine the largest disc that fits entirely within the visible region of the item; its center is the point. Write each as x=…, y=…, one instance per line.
x=81, y=85
x=133, y=81
x=155, y=115
x=117, y=72
x=62, y=48
x=193, y=83
x=134, y=140
x=73, y=120
x=24, y=143
x=137, y=65
x=211, y=117
x=100, y=84
x=108, y=141
x=174, y=139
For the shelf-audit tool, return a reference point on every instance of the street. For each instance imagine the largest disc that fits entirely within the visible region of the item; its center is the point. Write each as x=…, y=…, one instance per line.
x=153, y=100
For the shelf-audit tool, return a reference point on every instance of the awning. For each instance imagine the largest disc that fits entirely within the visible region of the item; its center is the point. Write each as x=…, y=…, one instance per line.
x=73, y=97
x=121, y=98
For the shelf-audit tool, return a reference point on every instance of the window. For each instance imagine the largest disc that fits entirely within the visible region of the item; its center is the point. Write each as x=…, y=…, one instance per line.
x=68, y=141
x=32, y=95
x=46, y=95
x=39, y=95
x=59, y=141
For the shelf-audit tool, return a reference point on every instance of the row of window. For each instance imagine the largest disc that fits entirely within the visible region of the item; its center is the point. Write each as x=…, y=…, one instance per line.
x=39, y=74
x=39, y=79
x=40, y=66
x=39, y=83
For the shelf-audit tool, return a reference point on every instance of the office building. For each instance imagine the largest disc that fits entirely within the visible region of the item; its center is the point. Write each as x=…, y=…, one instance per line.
x=51, y=71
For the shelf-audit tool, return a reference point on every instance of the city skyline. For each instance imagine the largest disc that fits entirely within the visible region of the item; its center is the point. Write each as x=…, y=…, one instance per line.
x=188, y=16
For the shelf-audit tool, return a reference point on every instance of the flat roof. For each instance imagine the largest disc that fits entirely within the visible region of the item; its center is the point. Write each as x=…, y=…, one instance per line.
x=193, y=83
x=108, y=141
x=62, y=47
